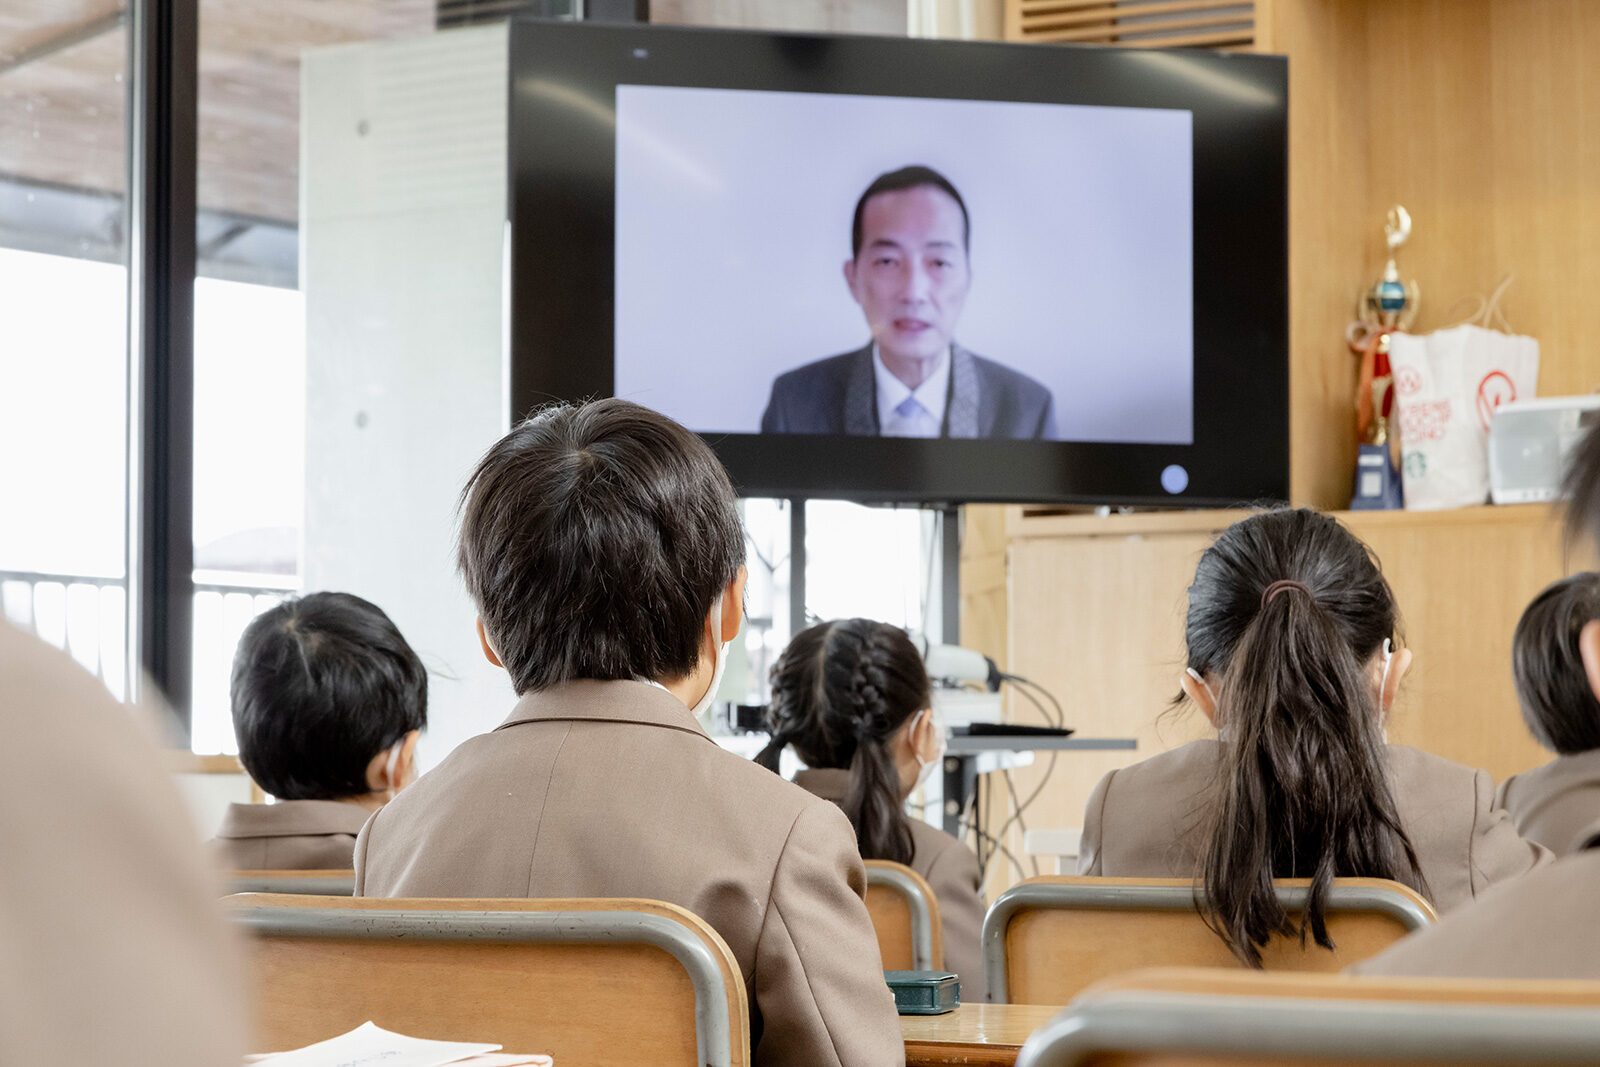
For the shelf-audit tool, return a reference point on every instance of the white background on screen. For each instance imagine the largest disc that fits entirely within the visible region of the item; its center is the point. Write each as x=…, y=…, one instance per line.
x=733, y=225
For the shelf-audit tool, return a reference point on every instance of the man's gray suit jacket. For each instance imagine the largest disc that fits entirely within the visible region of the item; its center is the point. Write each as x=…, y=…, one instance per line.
x=838, y=395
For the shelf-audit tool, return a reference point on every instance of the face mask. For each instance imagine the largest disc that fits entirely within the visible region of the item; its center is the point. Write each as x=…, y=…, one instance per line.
x=925, y=767
x=719, y=665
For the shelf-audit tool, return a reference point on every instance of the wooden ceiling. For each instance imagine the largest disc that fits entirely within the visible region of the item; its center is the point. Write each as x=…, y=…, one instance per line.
x=63, y=114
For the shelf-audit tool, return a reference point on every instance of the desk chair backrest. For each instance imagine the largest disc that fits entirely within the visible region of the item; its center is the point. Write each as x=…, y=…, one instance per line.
x=1047, y=939
x=307, y=883
x=905, y=915
x=1203, y=1018
x=588, y=981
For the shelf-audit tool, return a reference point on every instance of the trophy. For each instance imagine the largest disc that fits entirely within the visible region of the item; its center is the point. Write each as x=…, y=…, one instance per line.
x=1388, y=307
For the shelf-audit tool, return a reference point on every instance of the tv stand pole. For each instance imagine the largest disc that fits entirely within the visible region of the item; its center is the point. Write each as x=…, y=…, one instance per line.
x=797, y=567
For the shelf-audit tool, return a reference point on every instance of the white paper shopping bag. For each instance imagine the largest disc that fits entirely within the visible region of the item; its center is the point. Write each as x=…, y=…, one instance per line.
x=1447, y=387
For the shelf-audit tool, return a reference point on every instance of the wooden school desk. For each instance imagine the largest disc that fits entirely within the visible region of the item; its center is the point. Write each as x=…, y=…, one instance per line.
x=973, y=1034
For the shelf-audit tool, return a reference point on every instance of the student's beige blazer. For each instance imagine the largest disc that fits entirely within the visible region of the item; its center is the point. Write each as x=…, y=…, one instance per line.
x=291, y=835
x=1555, y=804
x=112, y=943
x=949, y=867
x=611, y=789
x=1149, y=820
x=1541, y=926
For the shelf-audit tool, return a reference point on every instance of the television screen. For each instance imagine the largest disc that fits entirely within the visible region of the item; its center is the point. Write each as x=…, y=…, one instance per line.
x=892, y=269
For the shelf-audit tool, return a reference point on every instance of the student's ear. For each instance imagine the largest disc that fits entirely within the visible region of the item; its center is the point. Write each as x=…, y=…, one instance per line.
x=1397, y=670
x=378, y=780
x=1589, y=649
x=924, y=742
x=488, y=649
x=405, y=766
x=1196, y=691
x=733, y=606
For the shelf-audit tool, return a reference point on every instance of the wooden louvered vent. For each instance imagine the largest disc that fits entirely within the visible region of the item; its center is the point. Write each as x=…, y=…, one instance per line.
x=1141, y=23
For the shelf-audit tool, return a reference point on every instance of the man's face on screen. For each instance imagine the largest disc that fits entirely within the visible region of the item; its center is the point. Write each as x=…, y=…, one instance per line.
x=911, y=275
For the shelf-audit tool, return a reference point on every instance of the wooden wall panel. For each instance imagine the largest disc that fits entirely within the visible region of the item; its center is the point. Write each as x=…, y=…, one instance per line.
x=984, y=596
x=1332, y=234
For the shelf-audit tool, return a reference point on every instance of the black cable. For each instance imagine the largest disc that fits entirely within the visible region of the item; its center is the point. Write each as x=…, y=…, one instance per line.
x=1020, y=807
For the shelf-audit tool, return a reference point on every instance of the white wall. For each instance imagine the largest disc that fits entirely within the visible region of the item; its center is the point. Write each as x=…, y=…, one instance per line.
x=403, y=161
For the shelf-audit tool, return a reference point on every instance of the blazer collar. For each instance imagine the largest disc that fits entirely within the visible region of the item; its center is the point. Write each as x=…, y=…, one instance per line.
x=861, y=395
x=596, y=701
x=293, y=818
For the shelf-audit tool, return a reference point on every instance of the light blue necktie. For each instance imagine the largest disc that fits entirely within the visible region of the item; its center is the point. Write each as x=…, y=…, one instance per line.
x=914, y=420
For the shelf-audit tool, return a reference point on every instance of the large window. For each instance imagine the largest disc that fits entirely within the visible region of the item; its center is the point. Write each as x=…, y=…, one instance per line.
x=63, y=303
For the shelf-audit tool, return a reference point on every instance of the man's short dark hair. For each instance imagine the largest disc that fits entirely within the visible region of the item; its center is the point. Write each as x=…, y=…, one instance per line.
x=322, y=684
x=594, y=539
x=1559, y=707
x=908, y=178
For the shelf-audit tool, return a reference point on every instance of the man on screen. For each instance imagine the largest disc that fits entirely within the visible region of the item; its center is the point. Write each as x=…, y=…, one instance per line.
x=909, y=273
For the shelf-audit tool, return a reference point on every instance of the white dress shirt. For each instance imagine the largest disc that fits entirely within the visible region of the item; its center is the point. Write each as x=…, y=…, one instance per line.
x=907, y=412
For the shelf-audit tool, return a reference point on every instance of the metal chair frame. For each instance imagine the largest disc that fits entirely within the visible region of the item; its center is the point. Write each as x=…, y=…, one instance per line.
x=1320, y=1030
x=921, y=912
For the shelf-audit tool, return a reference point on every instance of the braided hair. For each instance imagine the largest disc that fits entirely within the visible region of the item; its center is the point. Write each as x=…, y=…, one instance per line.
x=840, y=691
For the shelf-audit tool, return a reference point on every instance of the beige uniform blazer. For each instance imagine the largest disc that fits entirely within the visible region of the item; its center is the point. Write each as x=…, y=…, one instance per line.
x=1541, y=926
x=1148, y=820
x=112, y=944
x=291, y=835
x=1556, y=803
x=948, y=866
x=611, y=789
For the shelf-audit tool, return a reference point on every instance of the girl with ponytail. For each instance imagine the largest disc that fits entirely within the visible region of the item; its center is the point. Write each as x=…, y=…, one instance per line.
x=1291, y=656
x=853, y=700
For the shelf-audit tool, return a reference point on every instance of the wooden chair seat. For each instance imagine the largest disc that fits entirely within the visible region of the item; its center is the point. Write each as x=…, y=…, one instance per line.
x=905, y=916
x=602, y=982
x=1047, y=939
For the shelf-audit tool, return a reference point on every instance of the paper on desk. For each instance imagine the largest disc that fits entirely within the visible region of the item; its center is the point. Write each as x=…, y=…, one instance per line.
x=369, y=1045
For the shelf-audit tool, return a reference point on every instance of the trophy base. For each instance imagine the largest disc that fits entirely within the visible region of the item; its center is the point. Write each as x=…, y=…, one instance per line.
x=1377, y=481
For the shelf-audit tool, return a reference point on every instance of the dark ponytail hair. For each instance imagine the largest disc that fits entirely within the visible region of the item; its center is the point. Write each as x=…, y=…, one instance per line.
x=839, y=692
x=1289, y=607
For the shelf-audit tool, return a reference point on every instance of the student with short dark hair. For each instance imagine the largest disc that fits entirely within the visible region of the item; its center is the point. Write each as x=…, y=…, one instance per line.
x=1556, y=646
x=603, y=548
x=854, y=701
x=328, y=703
x=1546, y=925
x=1290, y=655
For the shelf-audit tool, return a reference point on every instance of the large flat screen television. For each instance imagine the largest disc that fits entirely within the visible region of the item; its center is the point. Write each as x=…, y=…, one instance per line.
x=890, y=269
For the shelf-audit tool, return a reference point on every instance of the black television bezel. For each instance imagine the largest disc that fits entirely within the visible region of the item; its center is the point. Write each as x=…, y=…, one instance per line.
x=561, y=201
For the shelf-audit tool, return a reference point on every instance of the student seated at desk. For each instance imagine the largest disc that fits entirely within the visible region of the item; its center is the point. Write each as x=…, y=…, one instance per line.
x=1541, y=926
x=328, y=702
x=1290, y=655
x=854, y=700
x=1554, y=656
x=603, y=548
